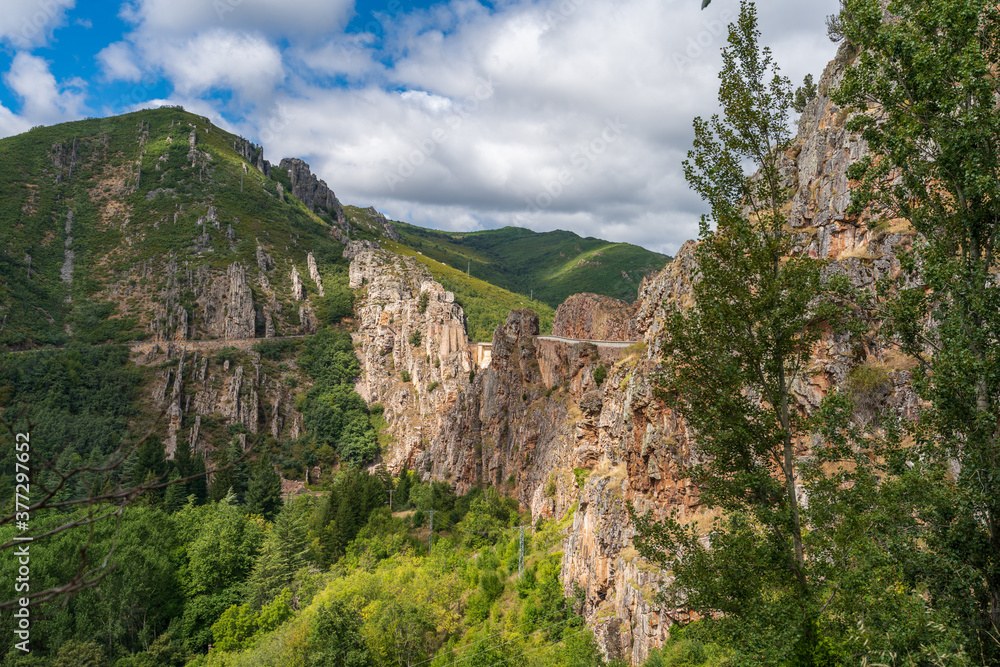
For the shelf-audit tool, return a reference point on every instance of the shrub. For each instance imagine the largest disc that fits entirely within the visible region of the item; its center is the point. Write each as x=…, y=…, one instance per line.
x=550, y=487
x=405, y=376
x=600, y=373
x=228, y=353
x=422, y=304
x=415, y=338
x=869, y=387
x=432, y=386
x=275, y=350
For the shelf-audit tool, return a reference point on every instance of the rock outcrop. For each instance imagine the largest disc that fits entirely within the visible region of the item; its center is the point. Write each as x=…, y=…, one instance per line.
x=239, y=313
x=595, y=317
x=312, y=191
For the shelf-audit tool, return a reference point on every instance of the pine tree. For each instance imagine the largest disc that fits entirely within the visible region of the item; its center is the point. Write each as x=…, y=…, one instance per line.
x=176, y=493
x=263, y=494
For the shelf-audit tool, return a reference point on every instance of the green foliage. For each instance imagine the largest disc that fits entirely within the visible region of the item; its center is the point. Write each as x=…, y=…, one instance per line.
x=731, y=363
x=600, y=373
x=276, y=350
x=489, y=515
x=930, y=70
x=263, y=495
x=405, y=376
x=486, y=306
x=432, y=386
x=79, y=654
x=334, y=415
x=416, y=338
x=804, y=94
x=554, y=265
x=227, y=354
x=234, y=628
x=422, y=302
x=336, y=639
x=581, y=475
x=339, y=300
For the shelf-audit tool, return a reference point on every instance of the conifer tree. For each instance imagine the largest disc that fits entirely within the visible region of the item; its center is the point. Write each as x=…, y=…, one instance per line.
x=263, y=494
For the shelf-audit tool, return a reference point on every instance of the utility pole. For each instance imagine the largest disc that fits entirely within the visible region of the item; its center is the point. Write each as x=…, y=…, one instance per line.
x=430, y=535
x=520, y=554
x=390, y=499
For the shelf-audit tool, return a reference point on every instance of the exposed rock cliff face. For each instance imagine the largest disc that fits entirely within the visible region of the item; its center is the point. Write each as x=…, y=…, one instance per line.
x=595, y=317
x=313, y=192
x=535, y=422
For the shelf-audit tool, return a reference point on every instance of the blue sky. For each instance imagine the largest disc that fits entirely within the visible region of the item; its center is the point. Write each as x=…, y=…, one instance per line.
x=548, y=114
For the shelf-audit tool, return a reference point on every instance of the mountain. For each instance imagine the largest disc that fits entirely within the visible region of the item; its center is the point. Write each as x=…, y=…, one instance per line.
x=551, y=266
x=152, y=224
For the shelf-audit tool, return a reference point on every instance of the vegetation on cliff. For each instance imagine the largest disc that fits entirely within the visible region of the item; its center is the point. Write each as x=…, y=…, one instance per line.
x=880, y=546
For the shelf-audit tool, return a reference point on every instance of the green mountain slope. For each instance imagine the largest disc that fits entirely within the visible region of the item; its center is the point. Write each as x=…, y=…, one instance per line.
x=550, y=265
x=109, y=225
x=486, y=306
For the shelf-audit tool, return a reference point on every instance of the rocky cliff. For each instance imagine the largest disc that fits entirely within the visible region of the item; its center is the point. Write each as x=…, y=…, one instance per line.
x=313, y=192
x=537, y=424
x=595, y=317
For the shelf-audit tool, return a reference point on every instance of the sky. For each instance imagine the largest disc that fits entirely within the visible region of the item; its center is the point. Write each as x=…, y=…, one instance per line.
x=460, y=115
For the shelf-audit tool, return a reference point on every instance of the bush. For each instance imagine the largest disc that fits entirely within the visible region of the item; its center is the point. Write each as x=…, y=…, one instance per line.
x=228, y=353
x=422, y=304
x=432, y=386
x=415, y=338
x=869, y=387
x=405, y=376
x=275, y=350
x=600, y=373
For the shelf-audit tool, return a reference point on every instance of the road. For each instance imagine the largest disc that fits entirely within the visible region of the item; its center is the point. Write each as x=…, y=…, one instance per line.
x=599, y=343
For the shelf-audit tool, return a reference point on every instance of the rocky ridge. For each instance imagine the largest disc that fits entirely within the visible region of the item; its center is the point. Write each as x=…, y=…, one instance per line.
x=537, y=424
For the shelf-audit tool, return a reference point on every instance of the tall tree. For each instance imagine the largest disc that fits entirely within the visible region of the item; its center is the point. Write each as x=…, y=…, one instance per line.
x=263, y=494
x=731, y=363
x=925, y=80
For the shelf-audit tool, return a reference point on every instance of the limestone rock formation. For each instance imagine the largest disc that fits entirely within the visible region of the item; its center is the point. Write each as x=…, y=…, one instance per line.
x=314, y=273
x=313, y=192
x=239, y=317
x=595, y=317
x=298, y=290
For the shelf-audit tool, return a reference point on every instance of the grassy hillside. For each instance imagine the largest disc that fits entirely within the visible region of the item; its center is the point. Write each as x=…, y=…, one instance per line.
x=550, y=266
x=486, y=305
x=138, y=197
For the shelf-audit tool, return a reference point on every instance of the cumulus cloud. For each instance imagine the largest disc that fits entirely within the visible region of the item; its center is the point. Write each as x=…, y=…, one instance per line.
x=540, y=113
x=245, y=63
x=43, y=99
x=28, y=23
x=118, y=61
x=461, y=116
x=304, y=18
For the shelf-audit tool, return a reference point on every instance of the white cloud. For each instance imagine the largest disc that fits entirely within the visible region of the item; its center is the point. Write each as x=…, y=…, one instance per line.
x=420, y=139
x=245, y=63
x=43, y=99
x=118, y=62
x=461, y=115
x=27, y=23
x=304, y=18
